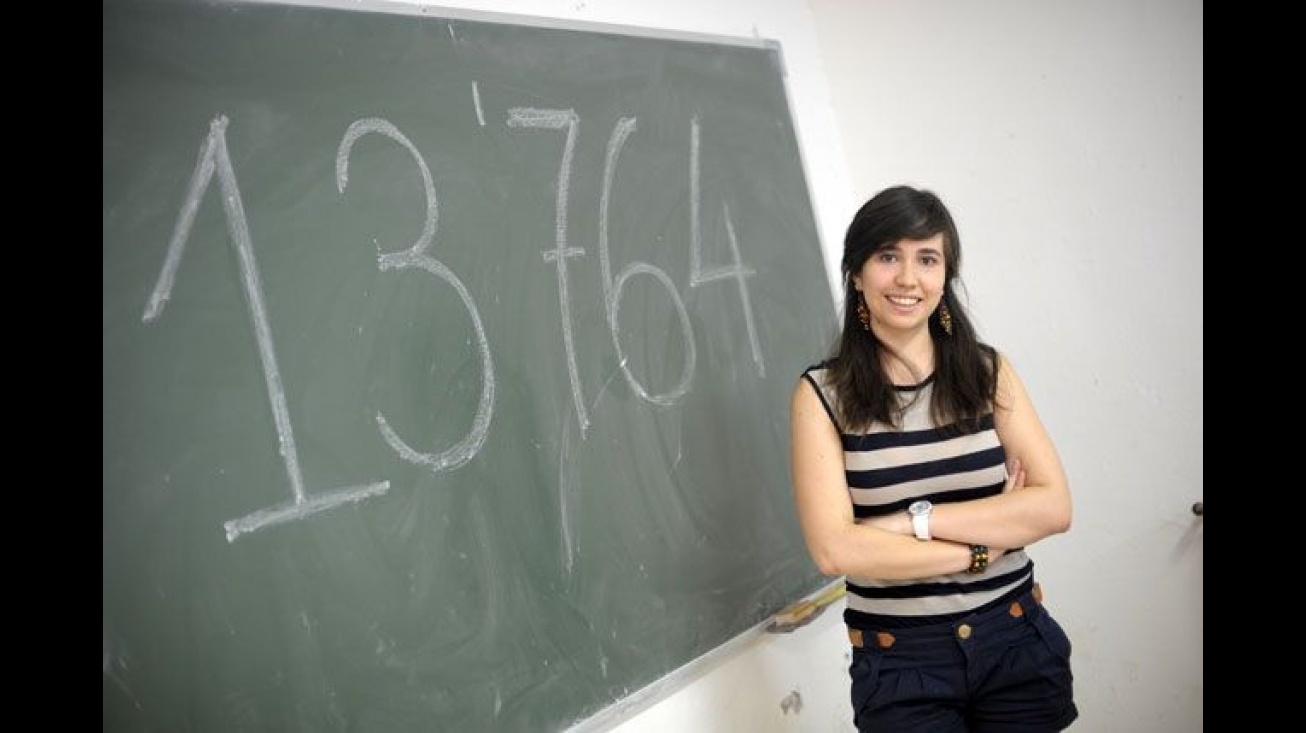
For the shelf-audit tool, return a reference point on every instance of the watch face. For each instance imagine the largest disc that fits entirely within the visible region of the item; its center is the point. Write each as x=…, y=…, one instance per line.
x=918, y=507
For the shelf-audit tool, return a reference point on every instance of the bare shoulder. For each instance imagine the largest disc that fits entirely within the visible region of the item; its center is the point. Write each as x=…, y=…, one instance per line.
x=1011, y=390
x=804, y=396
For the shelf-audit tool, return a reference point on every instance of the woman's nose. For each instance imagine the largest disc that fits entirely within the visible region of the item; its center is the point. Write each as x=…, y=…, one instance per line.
x=906, y=273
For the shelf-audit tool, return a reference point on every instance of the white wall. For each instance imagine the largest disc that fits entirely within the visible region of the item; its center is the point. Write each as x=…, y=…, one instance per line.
x=1067, y=138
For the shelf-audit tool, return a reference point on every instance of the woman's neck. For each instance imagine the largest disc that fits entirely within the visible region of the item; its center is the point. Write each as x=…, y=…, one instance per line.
x=908, y=358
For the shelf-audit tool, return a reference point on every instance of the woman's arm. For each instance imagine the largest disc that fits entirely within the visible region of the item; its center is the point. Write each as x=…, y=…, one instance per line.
x=837, y=543
x=1040, y=507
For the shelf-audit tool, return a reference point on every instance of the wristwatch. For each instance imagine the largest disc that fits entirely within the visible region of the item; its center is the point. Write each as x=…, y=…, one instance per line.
x=919, y=511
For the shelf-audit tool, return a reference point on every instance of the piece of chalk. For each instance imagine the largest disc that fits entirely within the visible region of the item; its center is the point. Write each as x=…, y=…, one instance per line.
x=805, y=611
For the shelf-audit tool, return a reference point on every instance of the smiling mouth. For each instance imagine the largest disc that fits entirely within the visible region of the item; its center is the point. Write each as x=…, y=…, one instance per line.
x=903, y=300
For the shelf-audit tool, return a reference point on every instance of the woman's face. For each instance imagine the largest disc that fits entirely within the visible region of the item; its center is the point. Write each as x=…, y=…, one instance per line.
x=903, y=284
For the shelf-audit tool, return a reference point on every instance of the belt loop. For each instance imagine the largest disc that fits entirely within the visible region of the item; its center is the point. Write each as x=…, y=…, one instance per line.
x=883, y=639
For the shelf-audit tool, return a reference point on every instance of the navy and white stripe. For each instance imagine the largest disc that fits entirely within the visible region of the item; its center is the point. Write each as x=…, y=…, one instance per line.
x=887, y=468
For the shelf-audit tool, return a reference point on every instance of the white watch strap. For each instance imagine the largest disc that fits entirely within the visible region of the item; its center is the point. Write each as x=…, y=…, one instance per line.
x=920, y=524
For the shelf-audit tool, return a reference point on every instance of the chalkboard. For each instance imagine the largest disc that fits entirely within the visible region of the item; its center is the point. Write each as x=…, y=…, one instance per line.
x=446, y=364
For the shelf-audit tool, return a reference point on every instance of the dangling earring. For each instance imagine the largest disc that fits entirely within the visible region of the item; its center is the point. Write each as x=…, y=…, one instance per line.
x=945, y=318
x=863, y=314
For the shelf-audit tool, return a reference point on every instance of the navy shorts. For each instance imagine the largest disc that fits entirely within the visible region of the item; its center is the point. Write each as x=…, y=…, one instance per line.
x=1005, y=669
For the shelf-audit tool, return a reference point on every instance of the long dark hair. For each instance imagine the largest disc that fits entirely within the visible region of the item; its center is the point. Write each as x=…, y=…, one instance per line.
x=965, y=370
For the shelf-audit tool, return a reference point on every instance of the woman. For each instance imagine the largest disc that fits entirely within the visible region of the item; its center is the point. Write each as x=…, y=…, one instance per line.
x=921, y=472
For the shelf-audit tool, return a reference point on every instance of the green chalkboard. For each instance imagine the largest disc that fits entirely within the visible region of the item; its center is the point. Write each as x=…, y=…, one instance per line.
x=446, y=364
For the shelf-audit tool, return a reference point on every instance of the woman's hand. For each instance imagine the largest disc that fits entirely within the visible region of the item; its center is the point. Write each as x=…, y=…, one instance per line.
x=1015, y=477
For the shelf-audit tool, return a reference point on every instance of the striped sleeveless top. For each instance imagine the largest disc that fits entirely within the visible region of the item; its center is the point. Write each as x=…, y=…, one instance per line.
x=887, y=469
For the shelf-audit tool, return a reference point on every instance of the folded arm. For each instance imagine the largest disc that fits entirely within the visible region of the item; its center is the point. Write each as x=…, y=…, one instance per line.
x=837, y=543
x=1035, y=502
x=1039, y=506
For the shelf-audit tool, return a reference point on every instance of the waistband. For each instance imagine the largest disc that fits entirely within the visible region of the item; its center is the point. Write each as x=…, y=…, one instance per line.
x=1015, y=609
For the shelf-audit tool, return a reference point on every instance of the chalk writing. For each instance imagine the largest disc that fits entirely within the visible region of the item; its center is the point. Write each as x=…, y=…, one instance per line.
x=476, y=101
x=698, y=275
x=215, y=160
x=557, y=119
x=416, y=256
x=612, y=288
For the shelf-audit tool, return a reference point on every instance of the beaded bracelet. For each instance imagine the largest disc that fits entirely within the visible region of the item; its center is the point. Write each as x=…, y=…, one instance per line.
x=979, y=559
